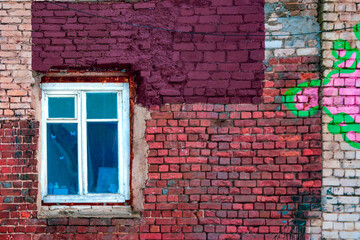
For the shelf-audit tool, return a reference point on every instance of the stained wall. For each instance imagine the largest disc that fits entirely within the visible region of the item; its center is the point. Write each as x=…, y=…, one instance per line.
x=340, y=134
x=229, y=156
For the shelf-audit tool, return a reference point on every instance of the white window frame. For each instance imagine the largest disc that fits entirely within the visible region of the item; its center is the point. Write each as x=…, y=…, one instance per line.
x=79, y=90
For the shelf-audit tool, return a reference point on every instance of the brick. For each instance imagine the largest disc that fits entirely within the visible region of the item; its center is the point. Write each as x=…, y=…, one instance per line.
x=150, y=236
x=171, y=175
x=254, y=222
x=56, y=221
x=244, y=169
x=217, y=168
x=191, y=56
x=195, y=129
x=187, y=221
x=144, y=5
x=221, y=138
x=239, y=56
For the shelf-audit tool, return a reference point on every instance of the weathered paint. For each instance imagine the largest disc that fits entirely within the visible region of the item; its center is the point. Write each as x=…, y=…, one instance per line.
x=173, y=67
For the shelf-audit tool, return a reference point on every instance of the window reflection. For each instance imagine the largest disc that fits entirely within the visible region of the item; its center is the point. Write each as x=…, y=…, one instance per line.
x=102, y=157
x=62, y=158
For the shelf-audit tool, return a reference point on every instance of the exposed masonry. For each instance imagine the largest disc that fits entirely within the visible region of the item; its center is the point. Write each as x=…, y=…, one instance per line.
x=237, y=168
x=284, y=18
x=15, y=65
x=341, y=164
x=215, y=171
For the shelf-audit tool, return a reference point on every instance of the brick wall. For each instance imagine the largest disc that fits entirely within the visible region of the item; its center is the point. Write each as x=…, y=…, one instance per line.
x=221, y=165
x=18, y=129
x=15, y=65
x=294, y=60
x=340, y=136
x=232, y=171
x=173, y=67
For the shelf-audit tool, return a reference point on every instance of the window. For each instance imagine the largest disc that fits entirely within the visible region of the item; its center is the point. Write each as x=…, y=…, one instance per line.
x=85, y=142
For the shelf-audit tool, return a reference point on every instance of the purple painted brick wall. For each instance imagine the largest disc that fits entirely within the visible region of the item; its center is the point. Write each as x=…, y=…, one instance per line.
x=172, y=67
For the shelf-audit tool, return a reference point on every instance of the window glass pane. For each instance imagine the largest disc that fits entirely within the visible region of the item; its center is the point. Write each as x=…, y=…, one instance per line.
x=101, y=105
x=102, y=144
x=61, y=107
x=62, y=158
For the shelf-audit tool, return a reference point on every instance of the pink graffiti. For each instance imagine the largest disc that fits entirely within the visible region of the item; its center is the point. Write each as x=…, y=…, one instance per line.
x=307, y=98
x=339, y=91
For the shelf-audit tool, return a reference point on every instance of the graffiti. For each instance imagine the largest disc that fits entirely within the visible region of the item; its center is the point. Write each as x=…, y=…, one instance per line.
x=303, y=100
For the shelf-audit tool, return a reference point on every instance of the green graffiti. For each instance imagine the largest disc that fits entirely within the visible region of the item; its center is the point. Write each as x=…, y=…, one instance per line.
x=347, y=61
x=289, y=99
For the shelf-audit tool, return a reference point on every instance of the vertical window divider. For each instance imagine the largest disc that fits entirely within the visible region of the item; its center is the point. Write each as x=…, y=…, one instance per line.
x=84, y=142
x=80, y=141
x=120, y=140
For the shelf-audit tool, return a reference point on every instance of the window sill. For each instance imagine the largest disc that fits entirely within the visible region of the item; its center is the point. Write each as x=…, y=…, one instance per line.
x=89, y=198
x=85, y=211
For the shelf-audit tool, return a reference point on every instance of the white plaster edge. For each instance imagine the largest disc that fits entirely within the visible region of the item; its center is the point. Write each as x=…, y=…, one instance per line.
x=86, y=211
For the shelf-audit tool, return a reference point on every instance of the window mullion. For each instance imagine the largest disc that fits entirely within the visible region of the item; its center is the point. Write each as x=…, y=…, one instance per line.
x=120, y=154
x=84, y=142
x=80, y=142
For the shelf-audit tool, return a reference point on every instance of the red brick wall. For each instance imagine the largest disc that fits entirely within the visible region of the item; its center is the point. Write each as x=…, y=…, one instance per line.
x=237, y=171
x=218, y=170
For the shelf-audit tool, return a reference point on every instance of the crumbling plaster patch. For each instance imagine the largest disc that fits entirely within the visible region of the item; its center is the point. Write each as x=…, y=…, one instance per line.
x=36, y=104
x=279, y=21
x=139, y=170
